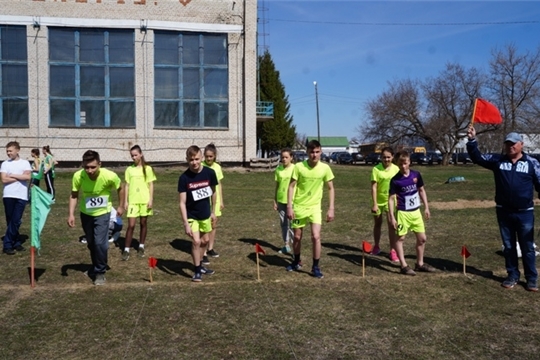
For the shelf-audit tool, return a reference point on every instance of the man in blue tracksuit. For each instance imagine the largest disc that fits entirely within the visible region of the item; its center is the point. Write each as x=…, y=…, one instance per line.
x=517, y=175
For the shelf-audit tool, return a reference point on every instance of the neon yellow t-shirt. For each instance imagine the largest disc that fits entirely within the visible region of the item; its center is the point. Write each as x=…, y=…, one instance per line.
x=96, y=198
x=283, y=178
x=309, y=183
x=139, y=188
x=219, y=174
x=382, y=177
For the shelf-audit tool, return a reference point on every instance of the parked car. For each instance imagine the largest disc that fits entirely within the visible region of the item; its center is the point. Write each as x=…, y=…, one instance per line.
x=461, y=158
x=357, y=157
x=373, y=158
x=419, y=158
x=434, y=157
x=299, y=156
x=344, y=158
x=334, y=156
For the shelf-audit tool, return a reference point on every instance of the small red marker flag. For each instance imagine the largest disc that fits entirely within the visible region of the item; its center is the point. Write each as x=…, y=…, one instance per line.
x=465, y=252
x=486, y=113
x=259, y=249
x=152, y=262
x=366, y=247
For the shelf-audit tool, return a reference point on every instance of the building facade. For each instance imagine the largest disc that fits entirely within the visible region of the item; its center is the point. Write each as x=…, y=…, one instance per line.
x=106, y=75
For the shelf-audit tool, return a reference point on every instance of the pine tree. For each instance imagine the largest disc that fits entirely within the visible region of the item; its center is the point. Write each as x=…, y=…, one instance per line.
x=279, y=132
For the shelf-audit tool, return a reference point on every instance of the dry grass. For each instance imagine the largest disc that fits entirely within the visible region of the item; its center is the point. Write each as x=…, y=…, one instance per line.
x=287, y=315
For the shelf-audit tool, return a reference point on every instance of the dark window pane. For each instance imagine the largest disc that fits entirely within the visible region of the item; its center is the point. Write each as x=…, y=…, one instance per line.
x=62, y=81
x=15, y=112
x=215, y=49
x=122, y=82
x=166, y=48
x=13, y=43
x=190, y=49
x=191, y=114
x=61, y=45
x=14, y=80
x=121, y=47
x=166, y=83
x=191, y=83
x=166, y=114
x=216, y=115
x=92, y=81
x=92, y=113
x=122, y=113
x=215, y=83
x=92, y=47
x=62, y=112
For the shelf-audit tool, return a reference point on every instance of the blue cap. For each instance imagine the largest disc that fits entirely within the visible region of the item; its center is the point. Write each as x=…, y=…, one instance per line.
x=513, y=137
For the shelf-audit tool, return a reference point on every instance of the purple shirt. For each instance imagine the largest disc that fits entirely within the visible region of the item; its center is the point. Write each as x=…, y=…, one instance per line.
x=406, y=190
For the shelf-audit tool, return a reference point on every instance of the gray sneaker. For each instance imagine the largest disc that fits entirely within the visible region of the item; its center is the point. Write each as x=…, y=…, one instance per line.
x=140, y=252
x=100, y=279
x=125, y=255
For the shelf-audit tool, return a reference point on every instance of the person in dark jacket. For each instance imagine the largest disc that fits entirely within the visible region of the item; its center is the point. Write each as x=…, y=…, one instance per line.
x=516, y=175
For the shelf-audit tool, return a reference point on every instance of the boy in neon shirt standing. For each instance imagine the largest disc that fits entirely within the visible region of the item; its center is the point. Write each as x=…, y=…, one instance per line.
x=304, y=203
x=96, y=184
x=407, y=189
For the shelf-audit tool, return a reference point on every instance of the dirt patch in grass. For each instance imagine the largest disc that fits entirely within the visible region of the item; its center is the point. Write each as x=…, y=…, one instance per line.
x=466, y=204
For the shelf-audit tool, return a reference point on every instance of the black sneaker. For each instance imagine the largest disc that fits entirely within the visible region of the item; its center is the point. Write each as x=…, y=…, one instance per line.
x=212, y=253
x=20, y=248
x=509, y=283
x=9, y=251
x=207, y=271
x=205, y=260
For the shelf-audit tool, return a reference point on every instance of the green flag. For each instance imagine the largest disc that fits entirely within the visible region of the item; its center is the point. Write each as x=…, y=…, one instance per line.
x=40, y=207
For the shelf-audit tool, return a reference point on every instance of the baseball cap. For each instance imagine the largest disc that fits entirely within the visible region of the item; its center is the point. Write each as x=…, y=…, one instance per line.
x=513, y=137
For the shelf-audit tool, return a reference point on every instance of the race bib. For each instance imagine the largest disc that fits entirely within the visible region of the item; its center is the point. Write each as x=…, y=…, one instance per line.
x=412, y=202
x=96, y=202
x=202, y=193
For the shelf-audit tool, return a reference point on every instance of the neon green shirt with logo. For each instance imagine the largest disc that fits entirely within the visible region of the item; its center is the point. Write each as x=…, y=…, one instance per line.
x=309, y=183
x=219, y=174
x=96, y=199
x=139, y=187
x=382, y=177
x=282, y=176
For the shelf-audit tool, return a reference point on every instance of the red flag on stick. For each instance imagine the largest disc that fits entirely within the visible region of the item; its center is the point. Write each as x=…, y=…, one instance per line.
x=152, y=262
x=465, y=252
x=366, y=247
x=486, y=113
x=259, y=249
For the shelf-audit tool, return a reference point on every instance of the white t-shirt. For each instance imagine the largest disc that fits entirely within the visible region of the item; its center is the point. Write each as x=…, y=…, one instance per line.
x=17, y=189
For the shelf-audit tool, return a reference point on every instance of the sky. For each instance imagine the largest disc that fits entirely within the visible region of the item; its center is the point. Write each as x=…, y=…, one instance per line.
x=353, y=49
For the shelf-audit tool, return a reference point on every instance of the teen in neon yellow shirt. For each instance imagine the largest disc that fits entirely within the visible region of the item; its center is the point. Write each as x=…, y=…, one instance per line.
x=282, y=176
x=210, y=154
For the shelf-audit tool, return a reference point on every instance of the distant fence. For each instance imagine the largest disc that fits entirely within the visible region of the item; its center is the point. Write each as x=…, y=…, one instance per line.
x=264, y=163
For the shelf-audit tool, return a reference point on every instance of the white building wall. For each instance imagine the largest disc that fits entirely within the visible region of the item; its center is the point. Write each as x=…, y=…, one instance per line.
x=235, y=144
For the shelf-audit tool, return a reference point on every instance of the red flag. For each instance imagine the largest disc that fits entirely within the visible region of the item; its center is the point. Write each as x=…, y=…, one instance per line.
x=366, y=247
x=259, y=249
x=465, y=252
x=486, y=113
x=152, y=262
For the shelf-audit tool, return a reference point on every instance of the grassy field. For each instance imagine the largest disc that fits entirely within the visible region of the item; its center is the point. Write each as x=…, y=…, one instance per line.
x=287, y=315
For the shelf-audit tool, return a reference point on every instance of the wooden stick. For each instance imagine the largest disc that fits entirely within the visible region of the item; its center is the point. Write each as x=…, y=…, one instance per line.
x=363, y=264
x=474, y=112
x=464, y=265
x=258, y=271
x=150, y=268
x=32, y=266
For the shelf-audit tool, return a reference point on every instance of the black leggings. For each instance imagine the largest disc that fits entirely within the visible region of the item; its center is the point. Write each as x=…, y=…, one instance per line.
x=49, y=181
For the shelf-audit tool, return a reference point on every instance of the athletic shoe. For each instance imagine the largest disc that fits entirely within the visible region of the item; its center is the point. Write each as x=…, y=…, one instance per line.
x=197, y=277
x=205, y=260
x=294, y=267
x=315, y=271
x=285, y=250
x=140, y=252
x=393, y=256
x=424, y=268
x=207, y=271
x=9, y=251
x=100, y=279
x=111, y=240
x=212, y=253
x=407, y=271
x=509, y=283
x=531, y=286
x=20, y=248
x=125, y=255
x=376, y=250
x=82, y=240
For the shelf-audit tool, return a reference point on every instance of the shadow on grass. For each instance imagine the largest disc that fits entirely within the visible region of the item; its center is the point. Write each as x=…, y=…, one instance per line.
x=263, y=243
x=340, y=247
x=269, y=260
x=371, y=261
x=37, y=273
x=452, y=266
x=76, y=267
x=175, y=267
x=182, y=245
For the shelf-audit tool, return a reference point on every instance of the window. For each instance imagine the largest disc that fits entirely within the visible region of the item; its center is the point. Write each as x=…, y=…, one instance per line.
x=13, y=77
x=191, y=80
x=92, y=77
